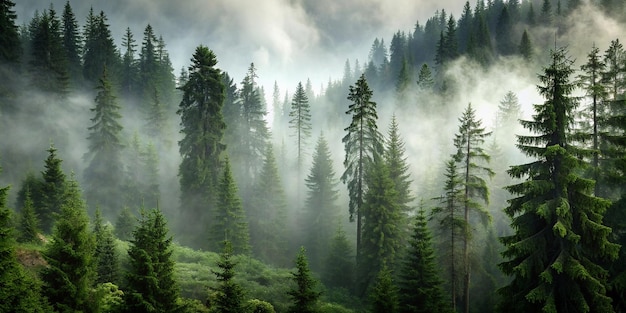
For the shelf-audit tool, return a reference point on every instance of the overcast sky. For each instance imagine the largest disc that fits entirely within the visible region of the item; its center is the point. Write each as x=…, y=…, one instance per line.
x=288, y=40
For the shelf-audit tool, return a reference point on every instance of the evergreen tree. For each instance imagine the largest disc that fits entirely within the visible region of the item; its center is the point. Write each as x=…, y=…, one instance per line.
x=147, y=63
x=130, y=74
x=19, y=292
x=228, y=296
x=300, y=122
x=125, y=224
x=546, y=13
x=396, y=160
x=320, y=212
x=106, y=259
x=425, y=78
x=9, y=36
x=472, y=162
x=151, y=286
x=304, y=296
x=614, y=76
x=103, y=175
x=504, y=33
x=52, y=190
x=230, y=219
x=383, y=296
x=70, y=274
x=339, y=263
x=29, y=221
x=202, y=125
x=382, y=230
x=361, y=142
x=267, y=214
x=525, y=47
x=559, y=234
x=72, y=44
x=531, y=19
x=451, y=227
x=99, y=50
x=420, y=286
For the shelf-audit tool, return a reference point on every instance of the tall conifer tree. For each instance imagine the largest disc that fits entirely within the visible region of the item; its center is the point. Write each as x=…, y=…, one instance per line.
x=559, y=236
x=300, y=122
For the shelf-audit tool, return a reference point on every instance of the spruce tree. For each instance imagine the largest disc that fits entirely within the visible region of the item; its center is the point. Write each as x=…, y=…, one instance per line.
x=130, y=73
x=72, y=44
x=202, y=125
x=420, y=286
x=70, y=274
x=319, y=218
x=300, y=122
x=19, y=292
x=383, y=296
x=228, y=296
x=304, y=295
x=396, y=160
x=103, y=175
x=382, y=230
x=9, y=37
x=229, y=219
x=559, y=236
x=425, y=78
x=472, y=162
x=99, y=50
x=339, y=263
x=29, y=221
x=52, y=190
x=150, y=282
x=106, y=258
x=525, y=47
x=267, y=214
x=361, y=142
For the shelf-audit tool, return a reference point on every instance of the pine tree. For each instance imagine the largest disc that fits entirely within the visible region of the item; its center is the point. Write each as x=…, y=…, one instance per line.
x=614, y=76
x=320, y=212
x=546, y=15
x=151, y=286
x=267, y=214
x=230, y=219
x=383, y=296
x=420, y=286
x=304, y=296
x=472, y=161
x=19, y=292
x=52, y=190
x=103, y=175
x=125, y=224
x=300, y=122
x=106, y=258
x=339, y=263
x=99, y=50
x=425, y=78
x=202, y=125
x=70, y=274
x=361, y=142
x=29, y=221
x=228, y=296
x=382, y=229
x=72, y=44
x=396, y=160
x=9, y=37
x=504, y=33
x=130, y=73
x=559, y=234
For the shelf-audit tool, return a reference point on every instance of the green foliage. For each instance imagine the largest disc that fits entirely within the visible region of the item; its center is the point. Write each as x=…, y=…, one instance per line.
x=125, y=224
x=339, y=264
x=320, y=215
x=300, y=122
x=267, y=215
x=258, y=306
x=52, y=190
x=99, y=50
x=525, y=47
x=151, y=285
x=106, y=256
x=383, y=296
x=304, y=295
x=72, y=44
x=9, y=37
x=554, y=256
x=69, y=276
x=202, y=127
x=228, y=296
x=420, y=286
x=104, y=174
x=29, y=221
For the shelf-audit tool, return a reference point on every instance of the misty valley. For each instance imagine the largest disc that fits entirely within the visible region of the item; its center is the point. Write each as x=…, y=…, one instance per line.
x=475, y=162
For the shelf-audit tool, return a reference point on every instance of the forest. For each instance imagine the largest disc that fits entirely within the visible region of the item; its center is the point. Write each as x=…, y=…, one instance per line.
x=472, y=163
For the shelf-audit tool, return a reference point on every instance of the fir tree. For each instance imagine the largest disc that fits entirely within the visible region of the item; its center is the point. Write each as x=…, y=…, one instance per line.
x=202, y=125
x=525, y=47
x=300, y=122
x=396, y=160
x=19, y=292
x=151, y=286
x=559, y=234
x=228, y=296
x=70, y=274
x=230, y=219
x=130, y=74
x=52, y=190
x=420, y=286
x=106, y=258
x=103, y=175
x=504, y=33
x=383, y=296
x=29, y=221
x=320, y=211
x=339, y=263
x=9, y=37
x=361, y=142
x=125, y=224
x=99, y=50
x=304, y=296
x=72, y=44
x=425, y=78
